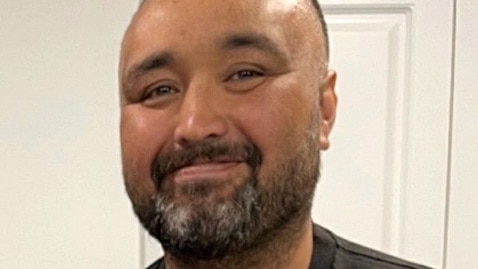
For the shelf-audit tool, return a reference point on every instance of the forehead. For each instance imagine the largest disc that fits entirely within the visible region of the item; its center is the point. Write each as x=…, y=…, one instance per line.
x=197, y=14
x=193, y=25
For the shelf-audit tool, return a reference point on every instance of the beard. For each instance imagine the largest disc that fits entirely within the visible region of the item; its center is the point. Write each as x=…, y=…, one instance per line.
x=263, y=207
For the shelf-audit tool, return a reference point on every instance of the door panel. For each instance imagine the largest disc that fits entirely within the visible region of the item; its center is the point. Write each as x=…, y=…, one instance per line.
x=370, y=51
x=384, y=178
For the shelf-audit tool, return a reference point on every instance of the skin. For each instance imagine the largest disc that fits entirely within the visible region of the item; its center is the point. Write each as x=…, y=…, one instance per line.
x=265, y=94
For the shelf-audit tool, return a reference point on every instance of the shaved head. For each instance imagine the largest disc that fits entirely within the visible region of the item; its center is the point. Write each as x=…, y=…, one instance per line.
x=320, y=16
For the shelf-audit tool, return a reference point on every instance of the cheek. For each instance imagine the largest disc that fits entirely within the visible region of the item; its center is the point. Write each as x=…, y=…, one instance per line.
x=142, y=136
x=276, y=120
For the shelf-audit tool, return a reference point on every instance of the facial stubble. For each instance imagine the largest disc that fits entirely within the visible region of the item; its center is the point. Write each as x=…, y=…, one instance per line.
x=257, y=211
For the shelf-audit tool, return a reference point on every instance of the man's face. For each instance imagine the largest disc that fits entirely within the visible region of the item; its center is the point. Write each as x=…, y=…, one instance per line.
x=220, y=115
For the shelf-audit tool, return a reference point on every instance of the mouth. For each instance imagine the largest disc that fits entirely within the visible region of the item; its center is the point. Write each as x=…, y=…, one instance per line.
x=213, y=163
x=204, y=169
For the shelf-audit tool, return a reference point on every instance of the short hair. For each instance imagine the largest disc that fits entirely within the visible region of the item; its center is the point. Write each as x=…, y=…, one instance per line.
x=323, y=24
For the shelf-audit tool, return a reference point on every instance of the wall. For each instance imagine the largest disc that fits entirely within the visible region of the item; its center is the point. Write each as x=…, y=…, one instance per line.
x=61, y=193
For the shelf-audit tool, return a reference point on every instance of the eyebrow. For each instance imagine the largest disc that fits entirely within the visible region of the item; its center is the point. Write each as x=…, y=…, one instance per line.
x=252, y=40
x=156, y=61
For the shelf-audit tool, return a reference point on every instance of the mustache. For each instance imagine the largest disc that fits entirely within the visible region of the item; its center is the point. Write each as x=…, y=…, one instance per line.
x=206, y=151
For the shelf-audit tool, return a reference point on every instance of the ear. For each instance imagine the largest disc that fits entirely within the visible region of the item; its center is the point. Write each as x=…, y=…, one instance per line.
x=328, y=107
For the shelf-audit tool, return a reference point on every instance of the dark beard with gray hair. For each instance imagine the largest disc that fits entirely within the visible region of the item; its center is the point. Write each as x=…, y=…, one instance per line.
x=205, y=229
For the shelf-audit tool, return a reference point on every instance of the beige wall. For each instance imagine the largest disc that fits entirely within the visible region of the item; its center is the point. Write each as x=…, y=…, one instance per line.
x=62, y=203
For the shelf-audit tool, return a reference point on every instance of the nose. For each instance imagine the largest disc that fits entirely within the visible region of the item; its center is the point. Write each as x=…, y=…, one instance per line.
x=200, y=118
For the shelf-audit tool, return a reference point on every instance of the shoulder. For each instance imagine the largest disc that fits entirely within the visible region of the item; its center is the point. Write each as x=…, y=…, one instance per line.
x=332, y=251
x=352, y=255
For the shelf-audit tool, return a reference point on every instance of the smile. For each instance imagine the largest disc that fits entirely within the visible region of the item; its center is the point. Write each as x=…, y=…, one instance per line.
x=206, y=169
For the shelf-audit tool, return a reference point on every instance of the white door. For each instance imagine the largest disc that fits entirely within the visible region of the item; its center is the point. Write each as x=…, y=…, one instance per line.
x=385, y=175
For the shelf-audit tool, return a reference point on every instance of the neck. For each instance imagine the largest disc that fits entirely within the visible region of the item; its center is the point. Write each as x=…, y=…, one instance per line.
x=287, y=248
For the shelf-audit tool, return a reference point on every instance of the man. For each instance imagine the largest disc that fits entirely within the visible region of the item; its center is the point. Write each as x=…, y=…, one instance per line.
x=225, y=106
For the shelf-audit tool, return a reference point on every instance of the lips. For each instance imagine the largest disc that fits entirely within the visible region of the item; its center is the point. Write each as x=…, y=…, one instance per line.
x=206, y=161
x=216, y=169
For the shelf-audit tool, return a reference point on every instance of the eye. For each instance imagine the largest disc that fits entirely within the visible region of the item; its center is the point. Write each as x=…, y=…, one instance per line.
x=245, y=74
x=159, y=95
x=159, y=91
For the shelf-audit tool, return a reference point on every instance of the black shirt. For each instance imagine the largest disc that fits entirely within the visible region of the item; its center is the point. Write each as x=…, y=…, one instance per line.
x=333, y=252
